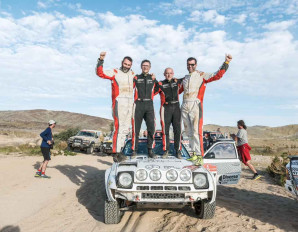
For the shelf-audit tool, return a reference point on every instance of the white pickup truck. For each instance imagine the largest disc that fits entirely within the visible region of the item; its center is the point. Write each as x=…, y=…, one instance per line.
x=143, y=182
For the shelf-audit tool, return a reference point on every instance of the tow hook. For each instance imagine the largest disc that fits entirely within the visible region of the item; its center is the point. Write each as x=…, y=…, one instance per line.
x=190, y=198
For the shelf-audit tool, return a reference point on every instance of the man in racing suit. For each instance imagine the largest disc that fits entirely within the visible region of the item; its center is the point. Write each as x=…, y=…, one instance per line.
x=146, y=86
x=122, y=99
x=170, y=112
x=194, y=85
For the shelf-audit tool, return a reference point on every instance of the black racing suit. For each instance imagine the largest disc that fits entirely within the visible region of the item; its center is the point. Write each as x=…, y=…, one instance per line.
x=145, y=89
x=170, y=112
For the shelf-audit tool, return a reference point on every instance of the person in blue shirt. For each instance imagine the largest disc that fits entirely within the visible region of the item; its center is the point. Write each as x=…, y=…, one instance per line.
x=46, y=144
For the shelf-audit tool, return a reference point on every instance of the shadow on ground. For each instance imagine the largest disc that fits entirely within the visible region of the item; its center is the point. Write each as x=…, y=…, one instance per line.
x=105, y=162
x=10, y=229
x=91, y=193
x=268, y=208
x=36, y=165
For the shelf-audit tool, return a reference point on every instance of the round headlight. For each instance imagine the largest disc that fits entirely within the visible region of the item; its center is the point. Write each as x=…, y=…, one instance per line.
x=125, y=179
x=185, y=175
x=200, y=180
x=172, y=175
x=141, y=174
x=155, y=175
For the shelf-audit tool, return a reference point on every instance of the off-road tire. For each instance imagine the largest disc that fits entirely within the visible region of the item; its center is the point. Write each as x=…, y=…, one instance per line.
x=90, y=149
x=205, y=210
x=69, y=148
x=112, y=214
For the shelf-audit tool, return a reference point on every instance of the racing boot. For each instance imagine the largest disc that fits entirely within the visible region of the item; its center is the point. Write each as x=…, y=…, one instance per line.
x=179, y=154
x=133, y=155
x=151, y=154
x=165, y=155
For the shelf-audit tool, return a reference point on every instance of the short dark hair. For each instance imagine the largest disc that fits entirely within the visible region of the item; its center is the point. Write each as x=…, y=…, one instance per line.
x=127, y=58
x=242, y=123
x=144, y=61
x=191, y=58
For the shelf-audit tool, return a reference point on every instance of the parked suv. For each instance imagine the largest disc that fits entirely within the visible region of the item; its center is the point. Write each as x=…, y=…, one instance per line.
x=291, y=184
x=143, y=182
x=85, y=140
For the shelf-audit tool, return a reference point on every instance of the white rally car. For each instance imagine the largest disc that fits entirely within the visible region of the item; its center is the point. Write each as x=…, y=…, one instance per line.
x=143, y=182
x=291, y=184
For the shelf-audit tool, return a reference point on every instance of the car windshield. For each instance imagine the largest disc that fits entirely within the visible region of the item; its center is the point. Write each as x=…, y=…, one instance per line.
x=158, y=148
x=86, y=133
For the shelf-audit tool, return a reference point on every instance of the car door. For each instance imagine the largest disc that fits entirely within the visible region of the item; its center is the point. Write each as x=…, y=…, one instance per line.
x=224, y=156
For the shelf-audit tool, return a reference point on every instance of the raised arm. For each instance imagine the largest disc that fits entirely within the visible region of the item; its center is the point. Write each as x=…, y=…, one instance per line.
x=157, y=87
x=209, y=77
x=99, y=68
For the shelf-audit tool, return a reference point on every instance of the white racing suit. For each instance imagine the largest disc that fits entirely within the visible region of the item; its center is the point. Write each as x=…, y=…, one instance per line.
x=122, y=102
x=194, y=85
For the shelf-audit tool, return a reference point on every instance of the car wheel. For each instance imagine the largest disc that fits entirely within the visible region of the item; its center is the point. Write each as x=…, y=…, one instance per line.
x=69, y=148
x=90, y=149
x=204, y=209
x=112, y=214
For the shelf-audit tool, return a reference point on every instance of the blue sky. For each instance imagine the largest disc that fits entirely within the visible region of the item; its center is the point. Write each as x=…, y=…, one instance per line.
x=49, y=48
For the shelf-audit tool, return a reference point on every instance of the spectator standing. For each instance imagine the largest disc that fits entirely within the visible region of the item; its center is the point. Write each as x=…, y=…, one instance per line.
x=46, y=146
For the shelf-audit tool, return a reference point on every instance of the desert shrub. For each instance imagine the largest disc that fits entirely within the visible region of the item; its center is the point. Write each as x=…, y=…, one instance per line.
x=277, y=169
x=62, y=145
x=64, y=135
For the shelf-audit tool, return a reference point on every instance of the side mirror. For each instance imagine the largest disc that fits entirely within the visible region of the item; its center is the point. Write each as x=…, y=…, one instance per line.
x=210, y=155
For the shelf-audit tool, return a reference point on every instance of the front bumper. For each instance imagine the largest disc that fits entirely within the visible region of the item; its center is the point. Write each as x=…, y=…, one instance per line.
x=79, y=145
x=163, y=196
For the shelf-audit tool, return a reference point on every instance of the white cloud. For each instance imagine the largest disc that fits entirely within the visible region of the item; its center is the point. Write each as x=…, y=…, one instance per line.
x=210, y=16
x=240, y=19
x=170, y=9
x=279, y=26
x=51, y=57
x=41, y=4
x=209, y=4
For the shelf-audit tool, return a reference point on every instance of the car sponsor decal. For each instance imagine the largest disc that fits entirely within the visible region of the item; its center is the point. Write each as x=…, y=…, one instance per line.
x=149, y=167
x=229, y=178
x=191, y=167
x=211, y=168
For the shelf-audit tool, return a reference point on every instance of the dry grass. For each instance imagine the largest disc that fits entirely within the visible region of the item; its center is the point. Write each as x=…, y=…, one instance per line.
x=27, y=149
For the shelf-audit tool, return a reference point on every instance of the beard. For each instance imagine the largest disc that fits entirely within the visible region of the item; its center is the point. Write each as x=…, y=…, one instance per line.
x=125, y=70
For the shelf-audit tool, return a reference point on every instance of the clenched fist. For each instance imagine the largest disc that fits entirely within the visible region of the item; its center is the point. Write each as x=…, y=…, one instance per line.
x=228, y=57
x=153, y=76
x=102, y=55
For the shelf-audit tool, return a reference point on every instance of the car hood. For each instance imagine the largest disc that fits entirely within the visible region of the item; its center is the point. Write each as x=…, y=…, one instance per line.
x=82, y=137
x=158, y=163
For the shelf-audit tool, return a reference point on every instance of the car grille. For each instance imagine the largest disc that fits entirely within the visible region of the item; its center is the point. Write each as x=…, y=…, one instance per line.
x=166, y=188
x=171, y=188
x=163, y=195
x=156, y=187
x=142, y=187
x=184, y=188
x=78, y=141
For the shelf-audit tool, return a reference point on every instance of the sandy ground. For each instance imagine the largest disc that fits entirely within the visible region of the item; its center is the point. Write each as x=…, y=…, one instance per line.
x=73, y=199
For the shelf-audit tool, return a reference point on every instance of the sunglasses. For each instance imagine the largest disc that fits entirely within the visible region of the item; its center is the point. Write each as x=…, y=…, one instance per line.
x=191, y=65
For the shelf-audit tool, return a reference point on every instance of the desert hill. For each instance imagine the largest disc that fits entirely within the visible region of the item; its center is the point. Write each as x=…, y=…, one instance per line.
x=36, y=120
x=26, y=121
x=262, y=132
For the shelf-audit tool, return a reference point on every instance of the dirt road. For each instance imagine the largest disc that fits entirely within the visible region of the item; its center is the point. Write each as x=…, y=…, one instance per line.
x=73, y=199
